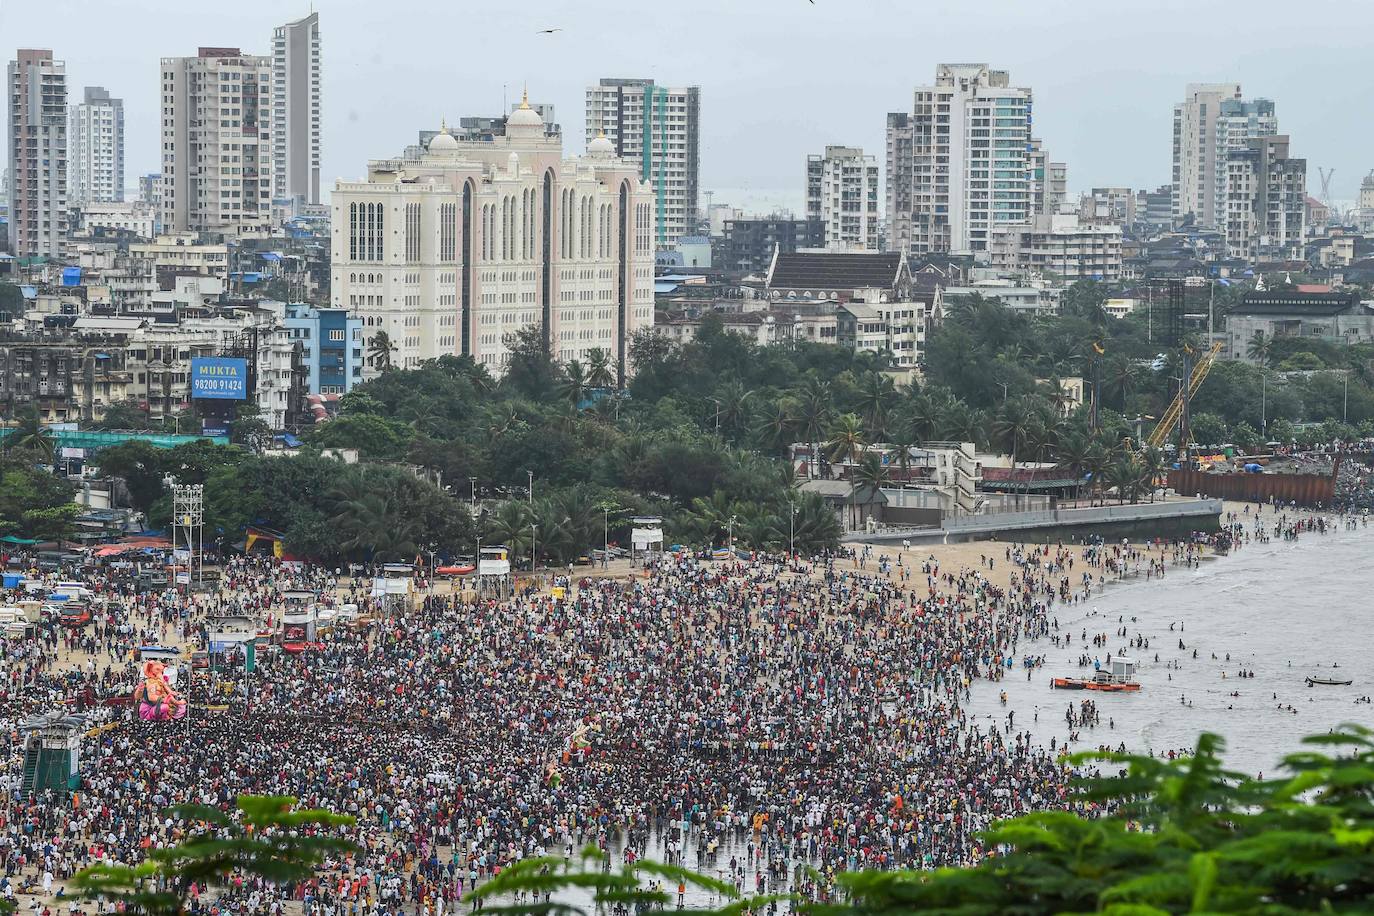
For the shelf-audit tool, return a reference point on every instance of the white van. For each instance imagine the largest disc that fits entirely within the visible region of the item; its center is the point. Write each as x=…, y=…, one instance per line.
x=70, y=590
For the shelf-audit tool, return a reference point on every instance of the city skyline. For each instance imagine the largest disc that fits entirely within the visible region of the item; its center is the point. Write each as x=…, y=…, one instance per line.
x=1106, y=114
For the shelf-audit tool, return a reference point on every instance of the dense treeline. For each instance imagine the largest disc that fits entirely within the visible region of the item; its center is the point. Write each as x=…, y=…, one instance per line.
x=702, y=434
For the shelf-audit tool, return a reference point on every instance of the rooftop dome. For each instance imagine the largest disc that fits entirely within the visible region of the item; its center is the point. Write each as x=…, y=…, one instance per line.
x=601, y=147
x=524, y=120
x=443, y=140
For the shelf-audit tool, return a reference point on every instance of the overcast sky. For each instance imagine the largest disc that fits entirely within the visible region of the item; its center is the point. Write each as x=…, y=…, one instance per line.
x=779, y=78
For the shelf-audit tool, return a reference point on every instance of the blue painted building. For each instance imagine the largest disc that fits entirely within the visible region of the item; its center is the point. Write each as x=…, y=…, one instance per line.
x=331, y=346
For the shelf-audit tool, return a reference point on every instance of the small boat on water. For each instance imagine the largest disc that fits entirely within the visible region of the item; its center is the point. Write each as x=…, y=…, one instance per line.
x=1328, y=682
x=1119, y=678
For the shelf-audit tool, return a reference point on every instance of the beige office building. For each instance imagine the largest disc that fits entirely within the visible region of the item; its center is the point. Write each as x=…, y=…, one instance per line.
x=452, y=251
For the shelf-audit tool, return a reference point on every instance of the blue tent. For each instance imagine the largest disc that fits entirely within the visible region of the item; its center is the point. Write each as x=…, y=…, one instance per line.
x=71, y=276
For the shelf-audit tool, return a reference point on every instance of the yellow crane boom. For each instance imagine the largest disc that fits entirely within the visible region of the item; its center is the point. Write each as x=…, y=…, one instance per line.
x=1170, y=418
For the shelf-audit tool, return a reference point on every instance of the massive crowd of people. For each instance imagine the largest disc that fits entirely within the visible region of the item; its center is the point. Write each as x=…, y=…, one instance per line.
x=744, y=718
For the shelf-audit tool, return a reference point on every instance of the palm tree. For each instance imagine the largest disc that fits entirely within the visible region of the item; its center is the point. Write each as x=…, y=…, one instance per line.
x=1101, y=454
x=1260, y=348
x=846, y=439
x=30, y=436
x=574, y=384
x=1074, y=450
x=813, y=416
x=875, y=401
x=367, y=520
x=1120, y=376
x=923, y=413
x=774, y=425
x=1153, y=465
x=903, y=441
x=1125, y=474
x=711, y=517
x=731, y=402
x=510, y=525
x=599, y=373
x=1011, y=425
x=815, y=527
x=869, y=472
x=379, y=350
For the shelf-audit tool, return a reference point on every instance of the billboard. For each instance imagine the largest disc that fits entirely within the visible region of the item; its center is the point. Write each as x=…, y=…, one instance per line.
x=220, y=379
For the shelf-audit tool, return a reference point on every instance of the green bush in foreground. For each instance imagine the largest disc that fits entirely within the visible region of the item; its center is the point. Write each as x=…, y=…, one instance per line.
x=1184, y=836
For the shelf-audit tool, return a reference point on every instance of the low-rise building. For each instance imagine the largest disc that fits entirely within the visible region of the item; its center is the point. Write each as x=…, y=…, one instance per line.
x=1033, y=300
x=1336, y=317
x=331, y=347
x=180, y=253
x=748, y=244
x=133, y=216
x=1060, y=245
x=876, y=307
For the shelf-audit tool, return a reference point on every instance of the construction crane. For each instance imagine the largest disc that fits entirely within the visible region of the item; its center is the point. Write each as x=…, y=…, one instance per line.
x=1326, y=185
x=1175, y=411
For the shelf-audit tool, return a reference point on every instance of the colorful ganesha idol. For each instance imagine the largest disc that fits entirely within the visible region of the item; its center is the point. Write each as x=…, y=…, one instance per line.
x=156, y=700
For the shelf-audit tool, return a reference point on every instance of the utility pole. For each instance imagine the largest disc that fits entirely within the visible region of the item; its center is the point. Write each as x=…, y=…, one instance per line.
x=1264, y=397
x=792, y=531
x=531, y=473
x=473, y=481
x=533, y=538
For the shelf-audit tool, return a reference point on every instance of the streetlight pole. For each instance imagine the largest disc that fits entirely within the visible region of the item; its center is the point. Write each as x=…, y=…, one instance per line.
x=531, y=473
x=473, y=481
x=792, y=531
x=730, y=535
x=605, y=536
x=1345, y=399
x=1264, y=405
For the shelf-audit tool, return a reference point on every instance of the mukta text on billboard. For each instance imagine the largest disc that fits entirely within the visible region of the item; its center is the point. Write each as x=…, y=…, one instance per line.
x=218, y=378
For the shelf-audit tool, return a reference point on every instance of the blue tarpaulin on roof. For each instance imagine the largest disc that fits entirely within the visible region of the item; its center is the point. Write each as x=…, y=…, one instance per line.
x=271, y=255
x=288, y=440
x=71, y=276
x=29, y=292
x=253, y=277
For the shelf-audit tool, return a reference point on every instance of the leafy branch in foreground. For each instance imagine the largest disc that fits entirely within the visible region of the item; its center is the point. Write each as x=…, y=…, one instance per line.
x=1181, y=836
x=268, y=839
x=638, y=886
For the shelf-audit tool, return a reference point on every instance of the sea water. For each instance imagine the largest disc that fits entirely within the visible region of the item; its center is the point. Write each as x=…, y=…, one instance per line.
x=1285, y=610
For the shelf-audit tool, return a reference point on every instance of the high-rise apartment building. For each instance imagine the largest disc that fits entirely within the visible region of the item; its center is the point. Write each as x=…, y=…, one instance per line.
x=296, y=110
x=217, y=142
x=1266, y=196
x=95, y=141
x=453, y=251
x=959, y=165
x=1049, y=181
x=842, y=192
x=1212, y=121
x=658, y=128
x=37, y=153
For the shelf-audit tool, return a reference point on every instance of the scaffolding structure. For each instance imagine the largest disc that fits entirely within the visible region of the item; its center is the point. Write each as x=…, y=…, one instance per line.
x=188, y=526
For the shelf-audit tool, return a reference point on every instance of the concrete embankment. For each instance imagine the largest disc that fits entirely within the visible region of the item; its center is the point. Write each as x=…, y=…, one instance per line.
x=1172, y=518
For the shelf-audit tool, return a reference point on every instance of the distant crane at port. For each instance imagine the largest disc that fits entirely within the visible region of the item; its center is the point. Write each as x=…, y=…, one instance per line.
x=1326, y=186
